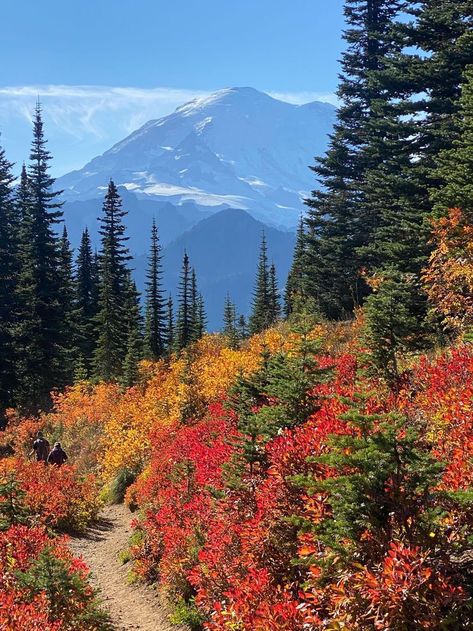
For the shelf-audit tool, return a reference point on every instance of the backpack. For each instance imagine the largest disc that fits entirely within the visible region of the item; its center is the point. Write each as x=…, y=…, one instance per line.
x=42, y=449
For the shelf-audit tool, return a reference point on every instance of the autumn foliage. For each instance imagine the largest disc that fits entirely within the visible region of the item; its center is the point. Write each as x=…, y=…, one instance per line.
x=448, y=278
x=272, y=546
x=357, y=516
x=42, y=586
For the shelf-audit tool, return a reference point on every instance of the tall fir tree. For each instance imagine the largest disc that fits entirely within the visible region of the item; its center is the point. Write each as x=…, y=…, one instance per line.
x=134, y=337
x=260, y=317
x=201, y=323
x=455, y=165
x=395, y=197
x=194, y=309
x=22, y=199
x=443, y=31
x=39, y=340
x=337, y=227
x=242, y=327
x=9, y=224
x=155, y=324
x=393, y=327
x=86, y=298
x=69, y=321
x=112, y=319
x=184, y=321
x=230, y=328
x=295, y=293
x=274, y=296
x=170, y=324
x=418, y=123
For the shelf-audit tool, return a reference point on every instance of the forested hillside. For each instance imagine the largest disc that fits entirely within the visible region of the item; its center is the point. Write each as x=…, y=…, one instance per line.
x=308, y=468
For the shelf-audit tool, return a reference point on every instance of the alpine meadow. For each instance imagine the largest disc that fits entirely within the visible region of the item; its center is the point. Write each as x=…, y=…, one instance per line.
x=236, y=380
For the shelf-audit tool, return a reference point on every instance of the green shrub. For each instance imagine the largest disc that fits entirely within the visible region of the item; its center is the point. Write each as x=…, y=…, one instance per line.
x=119, y=485
x=188, y=614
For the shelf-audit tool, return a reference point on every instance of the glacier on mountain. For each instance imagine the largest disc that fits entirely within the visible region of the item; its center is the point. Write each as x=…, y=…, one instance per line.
x=237, y=148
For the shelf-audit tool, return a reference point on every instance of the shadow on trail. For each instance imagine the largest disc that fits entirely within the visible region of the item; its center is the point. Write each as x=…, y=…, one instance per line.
x=97, y=531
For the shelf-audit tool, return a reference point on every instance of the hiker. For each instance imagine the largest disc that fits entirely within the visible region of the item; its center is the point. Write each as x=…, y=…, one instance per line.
x=40, y=448
x=57, y=456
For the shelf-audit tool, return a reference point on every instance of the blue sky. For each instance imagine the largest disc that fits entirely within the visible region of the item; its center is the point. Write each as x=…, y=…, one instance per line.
x=104, y=67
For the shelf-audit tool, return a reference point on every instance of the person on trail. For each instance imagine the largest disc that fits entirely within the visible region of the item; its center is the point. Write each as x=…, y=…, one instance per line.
x=57, y=456
x=40, y=448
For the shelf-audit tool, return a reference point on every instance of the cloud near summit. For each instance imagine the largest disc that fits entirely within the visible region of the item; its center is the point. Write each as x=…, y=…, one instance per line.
x=83, y=120
x=89, y=110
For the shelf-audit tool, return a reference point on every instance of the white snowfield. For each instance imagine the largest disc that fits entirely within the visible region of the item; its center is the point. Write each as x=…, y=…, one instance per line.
x=238, y=148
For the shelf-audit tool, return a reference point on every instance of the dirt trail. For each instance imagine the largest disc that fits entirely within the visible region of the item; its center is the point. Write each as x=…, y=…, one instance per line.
x=130, y=606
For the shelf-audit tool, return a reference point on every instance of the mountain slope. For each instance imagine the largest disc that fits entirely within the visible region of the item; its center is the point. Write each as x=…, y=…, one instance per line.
x=239, y=148
x=224, y=250
x=172, y=221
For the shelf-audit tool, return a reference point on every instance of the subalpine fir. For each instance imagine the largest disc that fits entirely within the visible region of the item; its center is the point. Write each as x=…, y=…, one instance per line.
x=337, y=223
x=455, y=165
x=183, y=332
x=112, y=317
x=155, y=318
x=230, y=328
x=295, y=293
x=86, y=297
x=422, y=88
x=69, y=316
x=134, y=336
x=9, y=225
x=260, y=318
x=41, y=347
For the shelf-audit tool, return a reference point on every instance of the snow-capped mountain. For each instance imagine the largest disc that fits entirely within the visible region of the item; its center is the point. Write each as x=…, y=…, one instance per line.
x=238, y=148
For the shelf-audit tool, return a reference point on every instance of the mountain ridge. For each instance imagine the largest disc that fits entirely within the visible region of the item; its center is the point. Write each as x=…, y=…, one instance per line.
x=238, y=147
x=215, y=246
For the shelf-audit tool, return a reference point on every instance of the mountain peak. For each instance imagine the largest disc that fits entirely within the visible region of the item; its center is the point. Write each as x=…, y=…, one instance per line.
x=227, y=96
x=237, y=147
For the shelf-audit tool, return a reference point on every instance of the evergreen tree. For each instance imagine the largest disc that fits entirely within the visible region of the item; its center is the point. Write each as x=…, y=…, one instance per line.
x=230, y=329
x=22, y=199
x=443, y=31
x=280, y=395
x=9, y=224
x=244, y=397
x=201, y=325
x=67, y=593
x=134, y=339
x=395, y=197
x=39, y=340
x=455, y=165
x=194, y=309
x=396, y=192
x=170, y=324
x=392, y=323
x=184, y=322
x=337, y=225
x=242, y=327
x=274, y=296
x=155, y=325
x=69, y=313
x=295, y=293
x=261, y=311
x=86, y=298
x=387, y=470
x=112, y=319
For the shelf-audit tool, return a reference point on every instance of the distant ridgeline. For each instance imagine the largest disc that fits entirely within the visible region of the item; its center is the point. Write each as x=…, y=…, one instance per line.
x=236, y=149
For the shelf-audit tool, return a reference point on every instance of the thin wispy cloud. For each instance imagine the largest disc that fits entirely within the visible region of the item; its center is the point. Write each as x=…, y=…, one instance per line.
x=81, y=110
x=82, y=121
